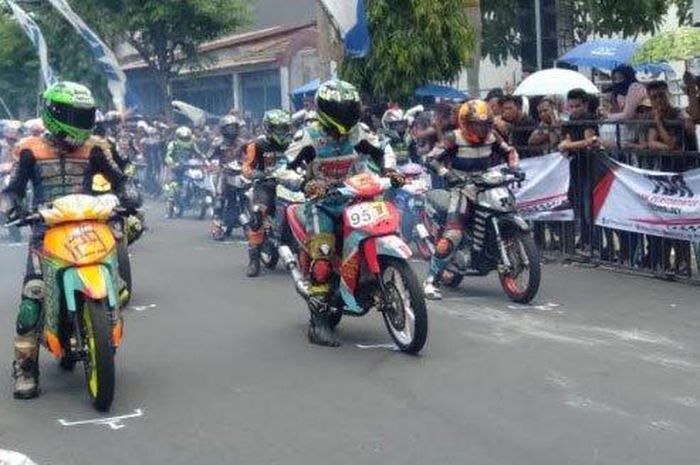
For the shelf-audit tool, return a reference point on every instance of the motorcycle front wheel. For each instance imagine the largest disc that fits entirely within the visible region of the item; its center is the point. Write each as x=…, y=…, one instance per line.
x=405, y=314
x=96, y=329
x=522, y=282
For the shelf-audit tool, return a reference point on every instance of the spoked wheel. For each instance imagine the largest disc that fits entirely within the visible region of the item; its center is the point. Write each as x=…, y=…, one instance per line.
x=522, y=282
x=96, y=329
x=404, y=312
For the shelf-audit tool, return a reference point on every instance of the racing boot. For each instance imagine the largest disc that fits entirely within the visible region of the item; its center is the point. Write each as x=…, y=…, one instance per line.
x=431, y=290
x=25, y=369
x=320, y=331
x=253, y=262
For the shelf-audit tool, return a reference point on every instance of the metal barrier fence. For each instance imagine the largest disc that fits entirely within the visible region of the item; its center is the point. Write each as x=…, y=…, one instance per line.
x=584, y=241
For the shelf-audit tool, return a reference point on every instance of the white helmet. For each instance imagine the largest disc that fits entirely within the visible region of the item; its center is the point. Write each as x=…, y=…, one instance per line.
x=183, y=133
x=394, y=119
x=34, y=127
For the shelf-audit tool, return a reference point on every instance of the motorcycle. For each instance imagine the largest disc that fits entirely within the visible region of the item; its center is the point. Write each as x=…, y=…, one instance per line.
x=196, y=191
x=277, y=229
x=373, y=272
x=14, y=234
x=235, y=211
x=495, y=236
x=81, y=319
x=410, y=200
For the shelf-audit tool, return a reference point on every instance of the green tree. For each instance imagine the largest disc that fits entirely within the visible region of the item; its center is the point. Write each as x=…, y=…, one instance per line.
x=413, y=42
x=19, y=68
x=166, y=33
x=628, y=18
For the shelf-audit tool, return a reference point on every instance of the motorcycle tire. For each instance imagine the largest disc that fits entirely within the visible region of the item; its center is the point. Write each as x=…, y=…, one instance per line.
x=203, y=213
x=409, y=336
x=335, y=318
x=124, y=263
x=522, y=293
x=96, y=327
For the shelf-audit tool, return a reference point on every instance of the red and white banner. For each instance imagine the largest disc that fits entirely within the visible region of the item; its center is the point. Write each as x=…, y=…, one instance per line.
x=544, y=195
x=649, y=202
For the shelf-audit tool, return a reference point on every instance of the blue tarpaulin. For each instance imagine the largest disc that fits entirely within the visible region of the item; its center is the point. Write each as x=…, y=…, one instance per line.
x=607, y=54
x=443, y=92
x=350, y=18
x=307, y=90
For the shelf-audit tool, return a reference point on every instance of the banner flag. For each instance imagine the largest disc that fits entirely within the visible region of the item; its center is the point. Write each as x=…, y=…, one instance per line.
x=116, y=79
x=32, y=30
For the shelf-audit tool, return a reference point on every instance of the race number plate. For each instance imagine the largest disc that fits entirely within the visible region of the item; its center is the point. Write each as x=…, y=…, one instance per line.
x=367, y=214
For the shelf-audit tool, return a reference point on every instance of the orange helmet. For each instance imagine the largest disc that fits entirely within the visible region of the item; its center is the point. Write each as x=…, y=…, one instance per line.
x=475, y=121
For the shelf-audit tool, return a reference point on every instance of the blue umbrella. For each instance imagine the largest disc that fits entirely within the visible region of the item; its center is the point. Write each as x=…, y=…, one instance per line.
x=307, y=90
x=435, y=91
x=608, y=54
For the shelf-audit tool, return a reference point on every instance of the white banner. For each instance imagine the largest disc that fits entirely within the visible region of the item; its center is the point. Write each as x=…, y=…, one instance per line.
x=649, y=202
x=34, y=33
x=544, y=195
x=116, y=79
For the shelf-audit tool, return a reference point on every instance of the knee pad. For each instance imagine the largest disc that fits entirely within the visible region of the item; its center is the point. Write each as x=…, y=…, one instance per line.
x=448, y=243
x=321, y=271
x=256, y=237
x=28, y=316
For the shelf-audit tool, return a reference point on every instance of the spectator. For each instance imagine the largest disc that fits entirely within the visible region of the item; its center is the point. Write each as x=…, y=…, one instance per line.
x=627, y=92
x=671, y=125
x=514, y=125
x=548, y=132
x=493, y=98
x=579, y=134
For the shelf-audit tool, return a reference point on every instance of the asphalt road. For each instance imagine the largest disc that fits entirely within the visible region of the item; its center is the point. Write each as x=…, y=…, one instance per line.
x=603, y=369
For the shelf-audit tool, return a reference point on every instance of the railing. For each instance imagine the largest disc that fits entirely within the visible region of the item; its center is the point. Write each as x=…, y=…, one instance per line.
x=584, y=241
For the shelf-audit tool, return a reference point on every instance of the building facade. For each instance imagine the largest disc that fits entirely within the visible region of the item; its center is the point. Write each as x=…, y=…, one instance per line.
x=252, y=71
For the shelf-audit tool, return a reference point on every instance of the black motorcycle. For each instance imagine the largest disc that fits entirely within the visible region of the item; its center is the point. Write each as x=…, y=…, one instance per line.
x=496, y=237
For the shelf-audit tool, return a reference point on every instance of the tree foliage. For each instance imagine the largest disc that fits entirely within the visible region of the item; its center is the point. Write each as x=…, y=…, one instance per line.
x=626, y=18
x=413, y=42
x=19, y=67
x=167, y=33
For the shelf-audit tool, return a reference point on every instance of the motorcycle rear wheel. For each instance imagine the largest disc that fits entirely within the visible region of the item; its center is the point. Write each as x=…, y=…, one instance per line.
x=96, y=328
x=522, y=284
x=405, y=315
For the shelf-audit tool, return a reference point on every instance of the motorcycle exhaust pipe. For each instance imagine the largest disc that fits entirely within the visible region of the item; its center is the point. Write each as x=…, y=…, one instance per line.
x=292, y=265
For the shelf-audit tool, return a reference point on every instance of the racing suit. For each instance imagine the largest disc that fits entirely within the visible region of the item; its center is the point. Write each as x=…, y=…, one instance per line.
x=457, y=158
x=54, y=171
x=261, y=159
x=177, y=153
x=224, y=150
x=329, y=160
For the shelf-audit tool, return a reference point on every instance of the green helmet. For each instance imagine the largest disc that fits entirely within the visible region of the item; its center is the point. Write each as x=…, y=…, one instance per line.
x=338, y=105
x=69, y=112
x=278, y=125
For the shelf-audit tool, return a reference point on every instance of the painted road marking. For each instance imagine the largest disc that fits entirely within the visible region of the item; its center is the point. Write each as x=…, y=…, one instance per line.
x=142, y=308
x=377, y=346
x=115, y=423
x=8, y=457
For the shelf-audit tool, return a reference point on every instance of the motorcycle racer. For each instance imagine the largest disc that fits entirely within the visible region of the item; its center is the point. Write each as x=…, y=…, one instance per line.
x=473, y=147
x=329, y=150
x=225, y=149
x=261, y=158
x=63, y=161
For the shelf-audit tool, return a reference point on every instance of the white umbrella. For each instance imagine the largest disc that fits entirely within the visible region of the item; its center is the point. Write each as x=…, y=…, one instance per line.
x=555, y=82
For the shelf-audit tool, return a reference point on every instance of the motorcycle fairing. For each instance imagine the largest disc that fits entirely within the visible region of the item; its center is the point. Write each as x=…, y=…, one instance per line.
x=79, y=243
x=94, y=281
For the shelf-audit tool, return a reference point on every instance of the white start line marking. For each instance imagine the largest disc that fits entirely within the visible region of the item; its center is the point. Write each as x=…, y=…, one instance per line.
x=142, y=308
x=376, y=346
x=114, y=423
x=8, y=457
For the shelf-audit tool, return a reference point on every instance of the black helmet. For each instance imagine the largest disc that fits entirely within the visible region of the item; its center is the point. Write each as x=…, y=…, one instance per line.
x=338, y=105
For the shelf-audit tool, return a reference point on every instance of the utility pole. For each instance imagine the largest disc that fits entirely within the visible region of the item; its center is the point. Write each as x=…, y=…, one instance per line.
x=538, y=32
x=696, y=11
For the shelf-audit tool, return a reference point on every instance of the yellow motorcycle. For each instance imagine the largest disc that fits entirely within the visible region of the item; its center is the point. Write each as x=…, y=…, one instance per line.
x=81, y=319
